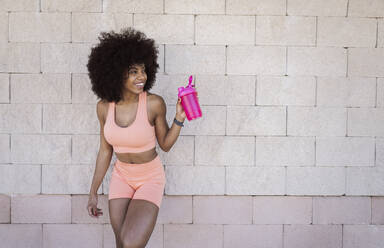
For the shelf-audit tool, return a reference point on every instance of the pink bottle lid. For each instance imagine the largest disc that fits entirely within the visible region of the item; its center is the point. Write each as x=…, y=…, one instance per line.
x=187, y=90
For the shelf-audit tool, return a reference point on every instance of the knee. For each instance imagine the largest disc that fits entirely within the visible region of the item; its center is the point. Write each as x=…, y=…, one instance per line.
x=131, y=242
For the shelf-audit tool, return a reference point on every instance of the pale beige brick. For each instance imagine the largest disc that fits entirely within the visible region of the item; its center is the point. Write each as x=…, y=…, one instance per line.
x=310, y=181
x=285, y=151
x=224, y=150
x=222, y=209
x=317, y=121
x=234, y=90
x=367, y=236
x=166, y=86
x=4, y=88
x=194, y=59
x=79, y=210
x=20, y=179
x=255, y=181
x=317, y=7
x=73, y=235
x=191, y=236
x=41, y=209
x=341, y=210
x=380, y=38
x=256, y=120
x=365, y=181
x=180, y=153
x=85, y=148
x=282, y=210
x=249, y=236
x=161, y=58
x=285, y=90
x=67, y=179
x=368, y=8
x=377, y=210
x=39, y=27
x=255, y=7
x=86, y=27
x=317, y=61
x=40, y=149
x=81, y=89
x=5, y=148
x=81, y=118
x=194, y=7
x=19, y=5
x=23, y=57
x=366, y=62
x=345, y=151
x=4, y=26
x=41, y=88
x=365, y=122
x=224, y=29
x=157, y=27
x=21, y=235
x=314, y=236
x=20, y=118
x=380, y=93
x=346, y=91
x=71, y=5
x=379, y=152
x=212, y=121
x=5, y=206
x=285, y=30
x=175, y=209
x=133, y=6
x=188, y=180
x=346, y=32
x=65, y=57
x=4, y=55
x=251, y=60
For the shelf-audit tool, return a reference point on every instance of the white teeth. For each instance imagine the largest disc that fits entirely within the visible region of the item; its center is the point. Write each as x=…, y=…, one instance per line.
x=140, y=84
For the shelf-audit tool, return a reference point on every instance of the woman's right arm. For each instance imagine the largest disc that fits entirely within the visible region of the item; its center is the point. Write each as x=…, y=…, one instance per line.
x=105, y=151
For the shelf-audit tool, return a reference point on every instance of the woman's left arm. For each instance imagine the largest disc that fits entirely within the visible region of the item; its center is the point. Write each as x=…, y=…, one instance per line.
x=166, y=137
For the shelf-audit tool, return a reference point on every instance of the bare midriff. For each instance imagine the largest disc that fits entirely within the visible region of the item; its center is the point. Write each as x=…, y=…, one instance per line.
x=137, y=158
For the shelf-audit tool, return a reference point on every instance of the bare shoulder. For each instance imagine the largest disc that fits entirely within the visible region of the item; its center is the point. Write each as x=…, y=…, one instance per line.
x=156, y=102
x=102, y=109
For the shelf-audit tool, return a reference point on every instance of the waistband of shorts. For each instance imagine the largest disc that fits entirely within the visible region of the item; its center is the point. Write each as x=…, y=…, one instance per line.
x=154, y=161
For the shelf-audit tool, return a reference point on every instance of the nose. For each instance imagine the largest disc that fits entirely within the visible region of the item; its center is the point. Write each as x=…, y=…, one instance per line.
x=142, y=75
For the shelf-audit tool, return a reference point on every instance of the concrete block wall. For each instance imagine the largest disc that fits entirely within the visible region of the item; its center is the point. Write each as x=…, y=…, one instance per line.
x=289, y=152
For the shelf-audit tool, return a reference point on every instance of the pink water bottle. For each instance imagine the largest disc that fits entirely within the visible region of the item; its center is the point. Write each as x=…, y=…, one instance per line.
x=189, y=101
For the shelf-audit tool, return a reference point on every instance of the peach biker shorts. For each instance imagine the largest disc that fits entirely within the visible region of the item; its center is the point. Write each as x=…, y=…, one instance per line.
x=138, y=181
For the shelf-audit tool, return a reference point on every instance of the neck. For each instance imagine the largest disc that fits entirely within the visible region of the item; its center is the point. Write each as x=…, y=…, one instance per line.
x=129, y=97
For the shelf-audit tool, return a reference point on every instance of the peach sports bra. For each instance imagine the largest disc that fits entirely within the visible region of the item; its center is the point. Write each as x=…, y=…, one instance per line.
x=137, y=137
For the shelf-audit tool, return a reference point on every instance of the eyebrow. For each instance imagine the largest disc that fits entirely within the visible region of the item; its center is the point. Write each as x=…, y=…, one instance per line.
x=135, y=67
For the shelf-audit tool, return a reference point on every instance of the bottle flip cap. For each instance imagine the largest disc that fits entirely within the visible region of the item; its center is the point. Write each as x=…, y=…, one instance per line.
x=187, y=90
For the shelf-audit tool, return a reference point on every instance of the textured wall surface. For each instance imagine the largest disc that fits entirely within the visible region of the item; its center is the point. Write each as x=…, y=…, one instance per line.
x=289, y=152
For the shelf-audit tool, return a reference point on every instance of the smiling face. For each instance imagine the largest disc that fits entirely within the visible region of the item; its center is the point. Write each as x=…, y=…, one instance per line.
x=135, y=78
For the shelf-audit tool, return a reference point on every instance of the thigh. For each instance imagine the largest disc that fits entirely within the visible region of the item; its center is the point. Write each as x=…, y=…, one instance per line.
x=139, y=223
x=117, y=210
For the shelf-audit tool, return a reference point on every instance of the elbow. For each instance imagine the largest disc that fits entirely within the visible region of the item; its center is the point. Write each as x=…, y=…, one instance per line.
x=165, y=149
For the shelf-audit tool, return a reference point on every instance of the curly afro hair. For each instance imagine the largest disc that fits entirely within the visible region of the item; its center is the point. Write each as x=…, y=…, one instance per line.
x=109, y=60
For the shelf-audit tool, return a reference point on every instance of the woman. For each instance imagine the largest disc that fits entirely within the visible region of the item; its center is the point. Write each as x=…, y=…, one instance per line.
x=122, y=68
